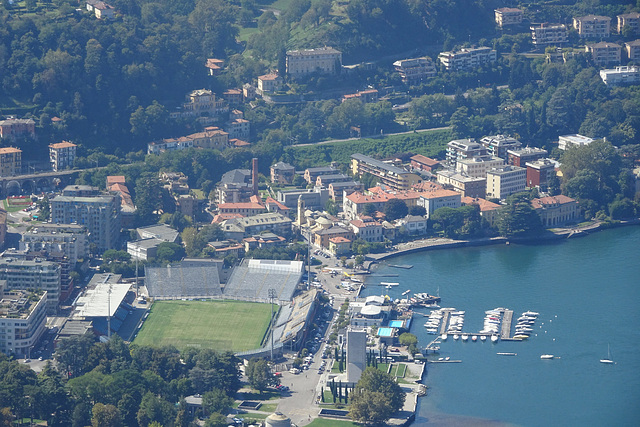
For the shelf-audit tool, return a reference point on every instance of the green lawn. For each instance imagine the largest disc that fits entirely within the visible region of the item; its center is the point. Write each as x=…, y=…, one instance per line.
x=219, y=325
x=323, y=422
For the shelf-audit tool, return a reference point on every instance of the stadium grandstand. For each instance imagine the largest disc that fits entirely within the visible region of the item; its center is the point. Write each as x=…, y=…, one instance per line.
x=191, y=278
x=252, y=279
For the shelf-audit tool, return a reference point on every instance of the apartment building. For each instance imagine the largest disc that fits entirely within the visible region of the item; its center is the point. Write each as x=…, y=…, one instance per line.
x=424, y=163
x=324, y=60
x=415, y=69
x=10, y=161
x=21, y=274
x=539, y=172
x=269, y=83
x=604, y=53
x=390, y=176
x=521, y=156
x=434, y=200
x=12, y=128
x=631, y=20
x=99, y=212
x=593, y=26
x=459, y=149
x=621, y=76
x=506, y=181
x=71, y=240
x=239, y=228
x=477, y=167
x=549, y=34
x=506, y=16
x=632, y=50
x=354, y=204
x=282, y=173
x=368, y=229
x=212, y=138
x=312, y=174
x=464, y=184
x=498, y=145
x=23, y=318
x=62, y=155
x=467, y=59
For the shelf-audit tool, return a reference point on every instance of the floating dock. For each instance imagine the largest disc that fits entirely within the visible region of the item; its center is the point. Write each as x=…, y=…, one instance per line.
x=445, y=361
x=445, y=321
x=405, y=266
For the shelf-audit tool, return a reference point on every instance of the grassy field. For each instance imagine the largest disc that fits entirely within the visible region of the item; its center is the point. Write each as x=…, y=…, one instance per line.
x=219, y=325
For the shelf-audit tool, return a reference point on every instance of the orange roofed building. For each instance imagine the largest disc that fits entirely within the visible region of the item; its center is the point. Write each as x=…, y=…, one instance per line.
x=353, y=204
x=488, y=210
x=556, y=210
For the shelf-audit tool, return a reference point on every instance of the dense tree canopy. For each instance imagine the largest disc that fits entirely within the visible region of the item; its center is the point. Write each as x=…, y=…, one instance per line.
x=375, y=398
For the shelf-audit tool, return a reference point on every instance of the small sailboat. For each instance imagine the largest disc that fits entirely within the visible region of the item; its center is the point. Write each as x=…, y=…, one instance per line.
x=608, y=359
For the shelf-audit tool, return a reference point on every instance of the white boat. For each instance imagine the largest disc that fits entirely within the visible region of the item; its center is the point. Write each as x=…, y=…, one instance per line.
x=608, y=359
x=494, y=338
x=447, y=358
x=474, y=338
x=546, y=356
x=507, y=354
x=443, y=337
x=456, y=336
x=483, y=337
x=531, y=313
x=465, y=337
x=406, y=292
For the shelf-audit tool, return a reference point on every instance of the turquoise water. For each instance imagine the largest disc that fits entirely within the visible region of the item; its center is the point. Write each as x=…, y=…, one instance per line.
x=587, y=291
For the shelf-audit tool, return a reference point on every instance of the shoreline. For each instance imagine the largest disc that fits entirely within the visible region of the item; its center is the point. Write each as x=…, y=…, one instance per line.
x=446, y=243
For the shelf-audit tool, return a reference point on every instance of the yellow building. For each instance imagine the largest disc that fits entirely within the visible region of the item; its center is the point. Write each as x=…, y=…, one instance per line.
x=10, y=161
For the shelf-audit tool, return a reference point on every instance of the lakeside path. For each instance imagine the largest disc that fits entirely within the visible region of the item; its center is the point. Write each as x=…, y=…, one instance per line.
x=433, y=243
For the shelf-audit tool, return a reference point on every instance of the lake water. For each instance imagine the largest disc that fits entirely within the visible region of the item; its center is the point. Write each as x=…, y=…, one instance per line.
x=587, y=291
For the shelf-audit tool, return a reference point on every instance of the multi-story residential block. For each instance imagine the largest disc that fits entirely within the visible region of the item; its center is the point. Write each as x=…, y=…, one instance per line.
x=62, y=155
x=508, y=16
x=33, y=274
x=630, y=20
x=12, y=128
x=459, y=149
x=593, y=26
x=235, y=186
x=390, y=176
x=353, y=205
x=23, y=318
x=99, y=212
x=424, y=163
x=368, y=229
x=366, y=96
x=339, y=245
x=269, y=83
x=116, y=184
x=337, y=190
x=415, y=69
x=464, y=184
x=312, y=174
x=211, y=138
x=202, y=105
x=549, y=34
x=498, y=145
x=604, y=53
x=467, y=59
x=621, y=76
x=233, y=96
x=574, y=140
x=214, y=66
x=477, y=167
x=245, y=209
x=556, y=210
x=282, y=173
x=10, y=161
x=523, y=155
x=632, y=49
x=325, y=180
x=315, y=198
x=71, y=240
x=506, y=181
x=239, y=128
x=434, y=200
x=321, y=237
x=539, y=172
x=324, y=60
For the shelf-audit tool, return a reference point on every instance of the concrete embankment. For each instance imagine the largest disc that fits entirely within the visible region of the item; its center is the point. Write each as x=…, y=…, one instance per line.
x=436, y=243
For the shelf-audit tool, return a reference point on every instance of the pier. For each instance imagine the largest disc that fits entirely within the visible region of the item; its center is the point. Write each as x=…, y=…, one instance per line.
x=505, y=332
x=445, y=321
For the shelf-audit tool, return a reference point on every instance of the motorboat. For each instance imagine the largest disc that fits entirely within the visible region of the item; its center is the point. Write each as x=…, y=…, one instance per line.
x=494, y=338
x=483, y=337
x=474, y=338
x=521, y=337
x=531, y=313
x=507, y=354
x=546, y=356
x=456, y=336
x=443, y=337
x=465, y=337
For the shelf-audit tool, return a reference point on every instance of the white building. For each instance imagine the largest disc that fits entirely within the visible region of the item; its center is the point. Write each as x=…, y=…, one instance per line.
x=593, y=26
x=324, y=60
x=70, y=239
x=506, y=181
x=62, y=155
x=467, y=59
x=434, y=200
x=36, y=274
x=23, y=318
x=505, y=16
x=575, y=140
x=415, y=69
x=549, y=34
x=621, y=76
x=464, y=149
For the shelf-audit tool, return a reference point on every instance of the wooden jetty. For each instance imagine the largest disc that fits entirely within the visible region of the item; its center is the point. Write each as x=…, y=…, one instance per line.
x=505, y=333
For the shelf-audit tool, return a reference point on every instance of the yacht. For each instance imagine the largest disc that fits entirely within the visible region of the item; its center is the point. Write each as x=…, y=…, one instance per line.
x=546, y=356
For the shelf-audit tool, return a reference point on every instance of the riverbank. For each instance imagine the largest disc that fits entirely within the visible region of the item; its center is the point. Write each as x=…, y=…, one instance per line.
x=445, y=243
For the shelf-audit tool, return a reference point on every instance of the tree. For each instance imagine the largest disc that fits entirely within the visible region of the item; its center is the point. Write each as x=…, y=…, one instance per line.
x=105, y=416
x=148, y=198
x=623, y=209
x=417, y=210
x=369, y=209
x=259, y=374
x=71, y=354
x=395, y=208
x=517, y=218
x=216, y=420
x=169, y=252
x=155, y=409
x=375, y=398
x=216, y=400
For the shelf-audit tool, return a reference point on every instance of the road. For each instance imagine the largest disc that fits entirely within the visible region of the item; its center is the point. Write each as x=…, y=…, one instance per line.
x=371, y=137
